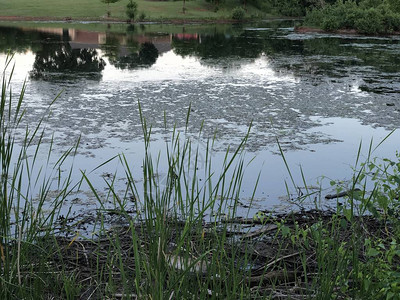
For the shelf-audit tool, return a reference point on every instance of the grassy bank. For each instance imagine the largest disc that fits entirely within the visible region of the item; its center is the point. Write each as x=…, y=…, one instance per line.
x=97, y=10
x=185, y=240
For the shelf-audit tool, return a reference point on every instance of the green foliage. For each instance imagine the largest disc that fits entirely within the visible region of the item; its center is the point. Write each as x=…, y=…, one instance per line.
x=364, y=264
x=394, y=5
x=295, y=7
x=339, y=16
x=290, y=8
x=368, y=16
x=238, y=13
x=24, y=222
x=131, y=10
x=370, y=21
x=377, y=275
x=142, y=16
x=384, y=201
x=331, y=23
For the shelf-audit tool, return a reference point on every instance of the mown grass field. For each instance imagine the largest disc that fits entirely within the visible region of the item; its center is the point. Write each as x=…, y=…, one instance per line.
x=95, y=9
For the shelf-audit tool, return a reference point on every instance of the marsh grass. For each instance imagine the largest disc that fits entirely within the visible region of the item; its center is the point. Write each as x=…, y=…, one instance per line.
x=185, y=240
x=179, y=244
x=23, y=219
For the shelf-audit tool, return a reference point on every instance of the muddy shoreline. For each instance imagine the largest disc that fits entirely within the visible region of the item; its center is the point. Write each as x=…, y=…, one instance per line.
x=276, y=261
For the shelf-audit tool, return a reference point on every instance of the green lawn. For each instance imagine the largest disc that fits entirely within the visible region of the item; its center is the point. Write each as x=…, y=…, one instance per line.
x=95, y=9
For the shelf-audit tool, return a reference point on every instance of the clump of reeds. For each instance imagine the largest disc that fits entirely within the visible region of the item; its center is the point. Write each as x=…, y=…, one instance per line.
x=25, y=222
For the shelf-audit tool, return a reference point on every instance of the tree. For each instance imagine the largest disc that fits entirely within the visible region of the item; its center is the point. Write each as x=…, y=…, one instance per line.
x=108, y=5
x=131, y=10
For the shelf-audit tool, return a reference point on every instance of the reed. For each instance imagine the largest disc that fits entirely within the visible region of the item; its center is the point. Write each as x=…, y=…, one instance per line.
x=25, y=187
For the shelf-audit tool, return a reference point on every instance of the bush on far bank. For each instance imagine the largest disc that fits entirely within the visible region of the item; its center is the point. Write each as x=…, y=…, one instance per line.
x=369, y=17
x=238, y=13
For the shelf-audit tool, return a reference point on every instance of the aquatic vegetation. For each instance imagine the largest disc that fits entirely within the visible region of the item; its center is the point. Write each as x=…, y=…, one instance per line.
x=24, y=219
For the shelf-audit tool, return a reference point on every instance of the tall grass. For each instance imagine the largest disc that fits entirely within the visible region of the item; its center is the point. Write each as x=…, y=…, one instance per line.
x=25, y=185
x=179, y=244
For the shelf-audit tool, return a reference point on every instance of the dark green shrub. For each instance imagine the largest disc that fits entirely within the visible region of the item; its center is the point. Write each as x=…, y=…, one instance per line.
x=367, y=4
x=238, y=13
x=314, y=17
x=330, y=23
x=142, y=16
x=394, y=5
x=351, y=17
x=371, y=22
x=376, y=18
x=131, y=10
x=391, y=20
x=291, y=8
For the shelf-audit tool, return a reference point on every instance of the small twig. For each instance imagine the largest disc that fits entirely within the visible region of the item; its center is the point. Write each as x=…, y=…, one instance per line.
x=84, y=252
x=341, y=194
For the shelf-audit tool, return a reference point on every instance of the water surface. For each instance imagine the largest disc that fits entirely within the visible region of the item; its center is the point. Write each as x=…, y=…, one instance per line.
x=319, y=95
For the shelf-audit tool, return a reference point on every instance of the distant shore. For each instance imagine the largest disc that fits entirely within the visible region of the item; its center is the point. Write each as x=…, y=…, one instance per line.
x=113, y=20
x=150, y=20
x=305, y=29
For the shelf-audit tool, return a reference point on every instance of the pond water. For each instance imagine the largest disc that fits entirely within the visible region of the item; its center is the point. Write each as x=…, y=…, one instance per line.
x=319, y=95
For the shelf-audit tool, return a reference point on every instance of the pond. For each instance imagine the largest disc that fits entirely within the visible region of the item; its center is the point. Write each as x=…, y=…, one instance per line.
x=319, y=95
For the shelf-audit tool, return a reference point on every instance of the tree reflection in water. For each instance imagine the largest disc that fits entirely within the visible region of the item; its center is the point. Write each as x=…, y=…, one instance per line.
x=63, y=60
x=58, y=55
x=144, y=58
x=58, y=59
